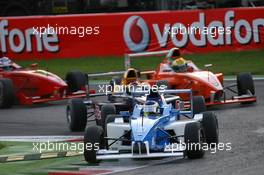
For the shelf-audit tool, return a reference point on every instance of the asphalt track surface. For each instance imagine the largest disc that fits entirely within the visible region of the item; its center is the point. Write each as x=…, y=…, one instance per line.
x=240, y=125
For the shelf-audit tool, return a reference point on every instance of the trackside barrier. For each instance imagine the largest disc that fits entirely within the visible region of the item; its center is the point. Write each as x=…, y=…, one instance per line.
x=75, y=36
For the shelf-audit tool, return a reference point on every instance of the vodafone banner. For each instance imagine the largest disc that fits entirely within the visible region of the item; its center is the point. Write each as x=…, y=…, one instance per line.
x=78, y=36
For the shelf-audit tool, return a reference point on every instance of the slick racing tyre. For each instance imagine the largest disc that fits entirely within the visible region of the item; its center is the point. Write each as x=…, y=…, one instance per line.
x=105, y=111
x=93, y=141
x=75, y=81
x=210, y=128
x=193, y=139
x=198, y=105
x=76, y=115
x=111, y=118
x=7, y=95
x=245, y=83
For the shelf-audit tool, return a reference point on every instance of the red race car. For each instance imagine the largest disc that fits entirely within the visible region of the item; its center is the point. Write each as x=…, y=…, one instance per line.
x=27, y=86
x=178, y=73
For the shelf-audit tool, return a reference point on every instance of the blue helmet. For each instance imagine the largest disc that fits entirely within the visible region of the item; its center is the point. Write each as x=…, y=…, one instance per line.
x=5, y=62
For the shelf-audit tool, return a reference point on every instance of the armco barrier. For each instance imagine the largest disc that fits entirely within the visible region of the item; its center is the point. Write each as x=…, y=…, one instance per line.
x=118, y=33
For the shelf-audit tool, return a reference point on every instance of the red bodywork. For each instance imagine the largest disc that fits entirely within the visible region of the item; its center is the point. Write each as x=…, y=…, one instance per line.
x=37, y=86
x=202, y=82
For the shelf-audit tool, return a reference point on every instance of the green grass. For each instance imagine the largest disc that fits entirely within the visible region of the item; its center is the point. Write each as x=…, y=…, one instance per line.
x=16, y=148
x=33, y=167
x=230, y=63
x=2, y=146
x=40, y=167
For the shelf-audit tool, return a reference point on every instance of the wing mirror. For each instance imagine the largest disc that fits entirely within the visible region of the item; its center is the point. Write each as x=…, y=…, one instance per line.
x=207, y=66
x=34, y=66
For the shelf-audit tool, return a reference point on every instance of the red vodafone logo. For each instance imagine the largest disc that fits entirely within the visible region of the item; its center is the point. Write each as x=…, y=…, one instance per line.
x=136, y=34
x=19, y=40
x=228, y=30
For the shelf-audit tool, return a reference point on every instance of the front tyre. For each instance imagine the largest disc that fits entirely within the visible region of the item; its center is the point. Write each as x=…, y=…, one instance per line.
x=93, y=141
x=7, y=95
x=210, y=128
x=193, y=139
x=76, y=115
x=199, y=105
x=105, y=111
x=76, y=80
x=245, y=84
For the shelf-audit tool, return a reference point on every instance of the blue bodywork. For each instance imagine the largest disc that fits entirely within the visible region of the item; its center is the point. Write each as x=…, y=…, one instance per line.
x=150, y=128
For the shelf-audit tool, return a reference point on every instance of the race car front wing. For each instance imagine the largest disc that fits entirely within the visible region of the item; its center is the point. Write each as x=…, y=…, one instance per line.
x=115, y=154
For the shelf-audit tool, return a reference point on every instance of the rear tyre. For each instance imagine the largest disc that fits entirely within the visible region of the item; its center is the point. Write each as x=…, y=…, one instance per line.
x=210, y=128
x=93, y=141
x=111, y=118
x=75, y=80
x=245, y=83
x=193, y=140
x=7, y=95
x=76, y=115
x=105, y=111
x=198, y=105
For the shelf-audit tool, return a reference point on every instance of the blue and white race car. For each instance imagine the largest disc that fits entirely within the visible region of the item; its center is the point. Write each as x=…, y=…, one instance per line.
x=162, y=126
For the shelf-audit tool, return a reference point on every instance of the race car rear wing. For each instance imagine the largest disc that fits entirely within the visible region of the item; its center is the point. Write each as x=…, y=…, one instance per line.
x=142, y=54
x=127, y=63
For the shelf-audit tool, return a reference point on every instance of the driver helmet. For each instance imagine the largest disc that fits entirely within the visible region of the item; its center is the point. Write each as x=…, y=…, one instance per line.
x=179, y=65
x=5, y=62
x=173, y=54
x=151, y=107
